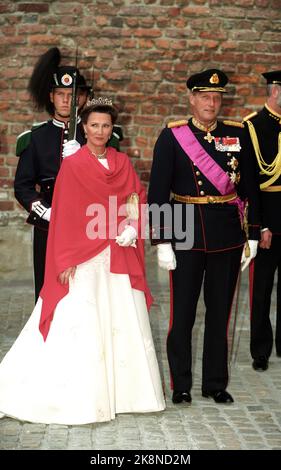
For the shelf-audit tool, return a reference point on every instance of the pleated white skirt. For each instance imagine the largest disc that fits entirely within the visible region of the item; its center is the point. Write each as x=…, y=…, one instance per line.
x=98, y=359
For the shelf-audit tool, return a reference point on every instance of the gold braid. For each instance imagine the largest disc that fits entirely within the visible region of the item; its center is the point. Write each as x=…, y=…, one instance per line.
x=272, y=169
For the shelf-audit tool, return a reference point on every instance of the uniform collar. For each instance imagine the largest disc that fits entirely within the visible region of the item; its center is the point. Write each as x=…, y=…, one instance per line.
x=201, y=126
x=272, y=113
x=62, y=124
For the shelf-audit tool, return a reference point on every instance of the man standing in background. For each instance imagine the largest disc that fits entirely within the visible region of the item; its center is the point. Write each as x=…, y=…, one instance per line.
x=265, y=131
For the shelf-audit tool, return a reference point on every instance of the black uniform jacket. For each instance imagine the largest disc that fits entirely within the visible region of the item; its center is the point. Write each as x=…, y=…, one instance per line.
x=216, y=226
x=39, y=164
x=268, y=126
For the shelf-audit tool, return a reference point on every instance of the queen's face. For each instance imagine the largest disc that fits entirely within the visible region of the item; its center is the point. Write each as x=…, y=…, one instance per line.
x=98, y=129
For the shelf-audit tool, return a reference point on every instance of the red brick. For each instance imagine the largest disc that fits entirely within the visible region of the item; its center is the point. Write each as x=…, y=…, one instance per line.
x=43, y=39
x=31, y=29
x=7, y=7
x=6, y=205
x=63, y=8
x=4, y=172
x=196, y=11
x=143, y=165
x=145, y=175
x=262, y=3
x=34, y=7
x=153, y=33
x=11, y=161
x=6, y=183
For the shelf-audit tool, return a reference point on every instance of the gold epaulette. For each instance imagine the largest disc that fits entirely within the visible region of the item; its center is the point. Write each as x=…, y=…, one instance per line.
x=233, y=123
x=249, y=116
x=183, y=122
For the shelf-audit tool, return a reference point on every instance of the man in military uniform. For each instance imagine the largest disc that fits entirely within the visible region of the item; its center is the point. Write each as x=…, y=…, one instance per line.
x=42, y=149
x=265, y=131
x=203, y=162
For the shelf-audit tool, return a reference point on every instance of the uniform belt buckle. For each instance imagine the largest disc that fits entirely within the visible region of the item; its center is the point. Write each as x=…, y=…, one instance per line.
x=211, y=199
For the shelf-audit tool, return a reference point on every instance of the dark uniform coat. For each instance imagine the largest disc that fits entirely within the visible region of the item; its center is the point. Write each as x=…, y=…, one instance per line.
x=267, y=125
x=217, y=248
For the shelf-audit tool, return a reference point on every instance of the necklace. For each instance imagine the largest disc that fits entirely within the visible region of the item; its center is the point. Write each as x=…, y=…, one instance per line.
x=99, y=156
x=209, y=137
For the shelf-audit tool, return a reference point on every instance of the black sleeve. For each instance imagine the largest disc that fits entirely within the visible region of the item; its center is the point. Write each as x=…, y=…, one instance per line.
x=160, y=184
x=249, y=187
x=25, y=178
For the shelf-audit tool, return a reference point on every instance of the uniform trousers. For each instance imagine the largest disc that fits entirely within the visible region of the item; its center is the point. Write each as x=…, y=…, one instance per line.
x=217, y=272
x=39, y=257
x=262, y=274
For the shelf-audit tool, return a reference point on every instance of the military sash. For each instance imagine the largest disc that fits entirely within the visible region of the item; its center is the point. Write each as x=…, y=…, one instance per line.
x=207, y=165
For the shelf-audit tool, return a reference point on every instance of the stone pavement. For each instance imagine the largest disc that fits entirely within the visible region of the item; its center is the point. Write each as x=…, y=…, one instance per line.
x=252, y=422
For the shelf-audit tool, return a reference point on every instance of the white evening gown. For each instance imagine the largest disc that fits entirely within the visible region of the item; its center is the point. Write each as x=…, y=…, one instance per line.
x=98, y=359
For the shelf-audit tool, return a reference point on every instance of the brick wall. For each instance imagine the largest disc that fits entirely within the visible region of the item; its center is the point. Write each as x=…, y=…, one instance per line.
x=142, y=52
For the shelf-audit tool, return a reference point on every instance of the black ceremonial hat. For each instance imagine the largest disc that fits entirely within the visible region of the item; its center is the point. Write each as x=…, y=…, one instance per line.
x=273, y=77
x=49, y=74
x=63, y=77
x=208, y=80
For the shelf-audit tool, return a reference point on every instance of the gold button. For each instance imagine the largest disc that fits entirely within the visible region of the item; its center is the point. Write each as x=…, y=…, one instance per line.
x=202, y=193
x=198, y=173
x=228, y=154
x=200, y=183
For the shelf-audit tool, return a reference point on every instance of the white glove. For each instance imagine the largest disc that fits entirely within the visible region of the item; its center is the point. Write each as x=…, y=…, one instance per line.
x=166, y=256
x=70, y=147
x=245, y=261
x=39, y=209
x=127, y=237
x=47, y=215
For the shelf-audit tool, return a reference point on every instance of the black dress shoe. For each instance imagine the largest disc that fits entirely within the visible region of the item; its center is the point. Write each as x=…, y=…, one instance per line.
x=220, y=396
x=260, y=363
x=179, y=397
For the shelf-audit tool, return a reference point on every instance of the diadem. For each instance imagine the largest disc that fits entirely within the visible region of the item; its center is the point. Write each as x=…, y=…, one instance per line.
x=102, y=100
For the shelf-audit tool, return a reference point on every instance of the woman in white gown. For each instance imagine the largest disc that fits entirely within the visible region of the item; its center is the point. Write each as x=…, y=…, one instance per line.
x=87, y=352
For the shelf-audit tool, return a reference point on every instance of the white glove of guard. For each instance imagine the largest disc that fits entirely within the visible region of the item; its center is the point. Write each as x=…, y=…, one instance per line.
x=70, y=147
x=253, y=244
x=127, y=237
x=39, y=209
x=166, y=256
x=47, y=215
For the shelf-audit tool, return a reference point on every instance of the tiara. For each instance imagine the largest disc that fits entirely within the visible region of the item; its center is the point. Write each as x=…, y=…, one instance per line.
x=102, y=100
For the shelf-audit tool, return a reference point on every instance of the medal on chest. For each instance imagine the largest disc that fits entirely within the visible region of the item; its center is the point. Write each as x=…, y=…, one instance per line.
x=227, y=144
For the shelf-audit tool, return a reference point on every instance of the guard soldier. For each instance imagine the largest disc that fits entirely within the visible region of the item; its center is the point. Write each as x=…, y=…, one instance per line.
x=265, y=131
x=42, y=149
x=206, y=163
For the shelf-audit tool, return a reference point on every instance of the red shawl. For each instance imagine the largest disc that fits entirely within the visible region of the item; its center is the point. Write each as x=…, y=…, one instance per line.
x=82, y=181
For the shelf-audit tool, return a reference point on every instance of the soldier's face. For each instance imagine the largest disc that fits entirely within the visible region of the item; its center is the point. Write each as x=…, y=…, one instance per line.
x=61, y=99
x=98, y=130
x=206, y=105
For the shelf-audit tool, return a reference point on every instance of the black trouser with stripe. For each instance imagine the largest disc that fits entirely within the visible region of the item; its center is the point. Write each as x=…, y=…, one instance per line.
x=218, y=273
x=261, y=281
x=39, y=257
